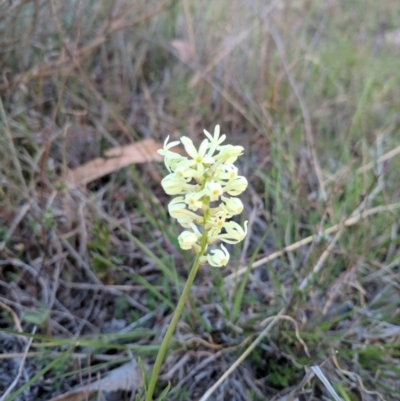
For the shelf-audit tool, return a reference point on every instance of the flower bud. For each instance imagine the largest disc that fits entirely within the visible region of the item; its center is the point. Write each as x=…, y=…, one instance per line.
x=233, y=205
x=203, y=260
x=218, y=257
x=187, y=239
x=236, y=186
x=173, y=185
x=229, y=153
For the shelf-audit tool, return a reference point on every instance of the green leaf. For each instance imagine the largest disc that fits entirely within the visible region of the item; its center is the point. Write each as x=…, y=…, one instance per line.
x=37, y=317
x=144, y=373
x=164, y=393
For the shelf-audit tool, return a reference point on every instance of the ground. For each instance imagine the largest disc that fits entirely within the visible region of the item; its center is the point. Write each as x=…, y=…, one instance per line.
x=90, y=266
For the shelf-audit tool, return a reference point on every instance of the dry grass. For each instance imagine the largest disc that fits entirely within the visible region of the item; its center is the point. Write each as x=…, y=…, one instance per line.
x=89, y=275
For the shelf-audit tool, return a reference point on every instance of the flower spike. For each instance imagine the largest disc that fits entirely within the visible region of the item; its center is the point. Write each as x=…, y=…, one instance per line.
x=205, y=176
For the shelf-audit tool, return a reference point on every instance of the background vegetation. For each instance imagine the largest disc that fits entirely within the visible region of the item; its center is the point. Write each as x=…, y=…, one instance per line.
x=89, y=274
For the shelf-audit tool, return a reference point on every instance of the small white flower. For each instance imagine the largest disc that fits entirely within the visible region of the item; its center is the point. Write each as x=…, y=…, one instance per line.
x=170, y=158
x=172, y=164
x=233, y=206
x=218, y=257
x=176, y=204
x=165, y=151
x=191, y=150
x=236, y=186
x=235, y=230
x=234, y=233
x=199, y=156
x=226, y=172
x=184, y=173
x=217, y=221
x=215, y=141
x=177, y=210
x=196, y=248
x=193, y=201
x=187, y=239
x=213, y=190
x=229, y=153
x=172, y=184
x=213, y=234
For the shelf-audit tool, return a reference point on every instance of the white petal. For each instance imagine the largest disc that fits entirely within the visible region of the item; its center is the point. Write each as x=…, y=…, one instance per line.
x=172, y=185
x=218, y=258
x=187, y=239
x=177, y=203
x=214, y=190
x=236, y=186
x=216, y=132
x=208, y=135
x=233, y=205
x=189, y=147
x=203, y=147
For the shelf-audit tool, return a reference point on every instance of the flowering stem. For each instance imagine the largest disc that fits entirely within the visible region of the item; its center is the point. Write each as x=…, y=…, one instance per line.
x=213, y=176
x=175, y=318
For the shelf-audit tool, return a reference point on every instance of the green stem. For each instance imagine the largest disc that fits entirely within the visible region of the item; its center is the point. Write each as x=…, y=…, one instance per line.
x=174, y=320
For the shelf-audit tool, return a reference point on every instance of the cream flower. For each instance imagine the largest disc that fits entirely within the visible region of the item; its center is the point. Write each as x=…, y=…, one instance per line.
x=199, y=179
x=176, y=204
x=215, y=140
x=216, y=223
x=234, y=233
x=218, y=257
x=236, y=186
x=193, y=200
x=213, y=190
x=165, y=151
x=187, y=239
x=185, y=173
x=170, y=158
x=233, y=206
x=173, y=184
x=226, y=172
x=199, y=156
x=229, y=153
x=177, y=210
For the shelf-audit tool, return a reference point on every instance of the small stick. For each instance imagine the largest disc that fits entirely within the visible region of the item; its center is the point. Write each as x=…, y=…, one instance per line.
x=346, y=223
x=21, y=368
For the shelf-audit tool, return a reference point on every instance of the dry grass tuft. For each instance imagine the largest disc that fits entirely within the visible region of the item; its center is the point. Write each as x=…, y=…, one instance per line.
x=90, y=272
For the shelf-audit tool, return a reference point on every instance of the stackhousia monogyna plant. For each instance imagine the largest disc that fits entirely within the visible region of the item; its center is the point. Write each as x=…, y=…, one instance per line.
x=206, y=183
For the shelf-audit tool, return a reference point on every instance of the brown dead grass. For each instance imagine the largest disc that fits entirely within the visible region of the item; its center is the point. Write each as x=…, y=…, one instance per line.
x=84, y=84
